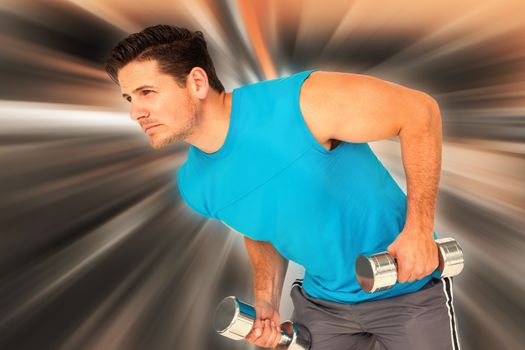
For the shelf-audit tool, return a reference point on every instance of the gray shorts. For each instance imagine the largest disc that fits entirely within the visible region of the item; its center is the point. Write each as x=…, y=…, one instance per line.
x=421, y=320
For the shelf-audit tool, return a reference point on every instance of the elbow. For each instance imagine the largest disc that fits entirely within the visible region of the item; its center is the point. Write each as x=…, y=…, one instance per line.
x=432, y=117
x=433, y=108
x=427, y=119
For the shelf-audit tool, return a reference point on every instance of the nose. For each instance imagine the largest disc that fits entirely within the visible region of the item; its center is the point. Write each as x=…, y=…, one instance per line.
x=138, y=112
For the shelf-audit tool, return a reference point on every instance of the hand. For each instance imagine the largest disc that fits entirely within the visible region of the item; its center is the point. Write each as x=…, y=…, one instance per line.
x=416, y=254
x=265, y=331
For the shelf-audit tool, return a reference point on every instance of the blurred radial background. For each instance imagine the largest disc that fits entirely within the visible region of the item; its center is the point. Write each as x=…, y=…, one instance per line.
x=97, y=249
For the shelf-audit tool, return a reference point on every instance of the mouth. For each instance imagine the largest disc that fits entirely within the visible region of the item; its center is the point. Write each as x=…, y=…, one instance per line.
x=151, y=127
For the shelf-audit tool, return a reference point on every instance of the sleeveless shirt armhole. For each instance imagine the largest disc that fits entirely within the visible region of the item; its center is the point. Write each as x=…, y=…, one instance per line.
x=300, y=118
x=185, y=197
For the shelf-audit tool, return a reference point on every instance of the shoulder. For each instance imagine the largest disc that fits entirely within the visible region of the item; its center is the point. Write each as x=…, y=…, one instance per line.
x=350, y=107
x=321, y=96
x=333, y=90
x=334, y=86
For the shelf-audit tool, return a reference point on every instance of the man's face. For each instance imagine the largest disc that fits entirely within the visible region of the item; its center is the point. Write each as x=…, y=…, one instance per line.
x=164, y=110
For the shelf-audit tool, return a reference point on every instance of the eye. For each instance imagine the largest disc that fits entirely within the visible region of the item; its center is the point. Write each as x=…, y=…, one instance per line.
x=128, y=98
x=145, y=91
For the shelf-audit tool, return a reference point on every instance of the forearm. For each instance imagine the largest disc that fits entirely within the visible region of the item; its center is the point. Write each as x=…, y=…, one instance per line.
x=421, y=150
x=269, y=270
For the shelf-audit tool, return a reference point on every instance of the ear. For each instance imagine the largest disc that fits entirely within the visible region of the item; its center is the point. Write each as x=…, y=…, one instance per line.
x=198, y=82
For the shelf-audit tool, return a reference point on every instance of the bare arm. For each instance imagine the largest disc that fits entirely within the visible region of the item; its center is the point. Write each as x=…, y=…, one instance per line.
x=269, y=270
x=359, y=108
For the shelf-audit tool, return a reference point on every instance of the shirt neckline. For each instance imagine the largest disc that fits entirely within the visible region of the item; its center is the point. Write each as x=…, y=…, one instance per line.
x=226, y=147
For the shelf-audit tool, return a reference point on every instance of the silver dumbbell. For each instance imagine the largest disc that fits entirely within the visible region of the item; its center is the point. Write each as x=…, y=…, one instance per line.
x=378, y=271
x=234, y=319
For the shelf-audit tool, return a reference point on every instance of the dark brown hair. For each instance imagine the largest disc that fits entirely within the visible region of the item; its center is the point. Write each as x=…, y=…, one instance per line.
x=177, y=51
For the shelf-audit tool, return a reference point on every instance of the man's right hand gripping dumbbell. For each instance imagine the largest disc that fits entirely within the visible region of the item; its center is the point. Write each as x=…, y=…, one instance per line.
x=269, y=269
x=266, y=331
x=259, y=323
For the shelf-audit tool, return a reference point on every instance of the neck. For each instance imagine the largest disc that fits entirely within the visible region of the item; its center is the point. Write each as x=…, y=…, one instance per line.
x=214, y=122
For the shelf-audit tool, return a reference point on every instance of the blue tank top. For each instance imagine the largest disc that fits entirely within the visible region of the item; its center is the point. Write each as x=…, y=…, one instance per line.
x=273, y=181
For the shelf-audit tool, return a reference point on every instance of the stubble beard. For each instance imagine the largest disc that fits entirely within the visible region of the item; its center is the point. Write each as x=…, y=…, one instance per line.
x=172, y=135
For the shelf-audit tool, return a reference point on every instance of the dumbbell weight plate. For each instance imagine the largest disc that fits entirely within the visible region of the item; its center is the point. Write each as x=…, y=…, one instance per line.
x=234, y=319
x=300, y=337
x=375, y=271
x=453, y=262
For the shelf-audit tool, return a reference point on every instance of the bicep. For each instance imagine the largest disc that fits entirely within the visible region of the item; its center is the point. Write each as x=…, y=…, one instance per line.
x=360, y=108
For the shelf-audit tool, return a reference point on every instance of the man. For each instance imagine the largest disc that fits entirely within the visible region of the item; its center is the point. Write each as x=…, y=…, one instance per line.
x=286, y=163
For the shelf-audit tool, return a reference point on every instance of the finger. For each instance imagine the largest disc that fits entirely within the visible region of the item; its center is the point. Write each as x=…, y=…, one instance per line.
x=272, y=335
x=260, y=340
x=277, y=336
x=420, y=273
x=266, y=332
x=276, y=321
x=409, y=275
x=430, y=270
x=405, y=269
x=391, y=250
x=255, y=332
x=402, y=274
x=269, y=339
